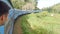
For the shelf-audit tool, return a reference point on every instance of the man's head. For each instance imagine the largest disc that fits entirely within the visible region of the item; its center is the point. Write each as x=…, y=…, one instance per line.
x=4, y=9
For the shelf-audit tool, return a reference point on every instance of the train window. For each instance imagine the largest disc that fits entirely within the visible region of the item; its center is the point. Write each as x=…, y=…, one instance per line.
x=36, y=16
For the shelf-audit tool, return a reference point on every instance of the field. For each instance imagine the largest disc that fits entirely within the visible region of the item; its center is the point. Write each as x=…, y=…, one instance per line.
x=40, y=23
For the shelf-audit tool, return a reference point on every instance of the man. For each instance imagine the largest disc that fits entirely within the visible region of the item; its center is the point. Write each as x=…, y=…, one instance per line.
x=4, y=10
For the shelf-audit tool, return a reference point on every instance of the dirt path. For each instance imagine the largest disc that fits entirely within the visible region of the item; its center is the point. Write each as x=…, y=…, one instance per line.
x=17, y=27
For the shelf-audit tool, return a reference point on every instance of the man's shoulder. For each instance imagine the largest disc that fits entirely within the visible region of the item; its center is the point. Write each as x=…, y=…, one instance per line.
x=2, y=29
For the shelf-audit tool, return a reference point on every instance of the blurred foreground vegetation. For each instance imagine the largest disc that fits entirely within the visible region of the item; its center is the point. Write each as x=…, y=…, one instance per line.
x=40, y=23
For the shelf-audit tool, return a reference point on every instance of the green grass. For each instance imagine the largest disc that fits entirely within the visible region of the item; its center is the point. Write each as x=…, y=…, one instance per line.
x=36, y=23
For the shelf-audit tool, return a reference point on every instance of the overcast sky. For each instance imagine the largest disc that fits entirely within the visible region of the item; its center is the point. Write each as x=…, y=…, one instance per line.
x=46, y=3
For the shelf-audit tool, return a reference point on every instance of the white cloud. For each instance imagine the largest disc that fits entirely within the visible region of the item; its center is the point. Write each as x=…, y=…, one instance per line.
x=46, y=3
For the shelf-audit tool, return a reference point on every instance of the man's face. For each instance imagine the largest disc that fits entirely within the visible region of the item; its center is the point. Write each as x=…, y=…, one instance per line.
x=3, y=19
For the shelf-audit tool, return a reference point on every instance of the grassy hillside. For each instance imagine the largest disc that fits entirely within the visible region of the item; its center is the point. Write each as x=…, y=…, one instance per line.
x=40, y=23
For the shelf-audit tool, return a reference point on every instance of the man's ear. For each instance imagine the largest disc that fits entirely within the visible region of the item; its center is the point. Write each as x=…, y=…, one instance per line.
x=1, y=18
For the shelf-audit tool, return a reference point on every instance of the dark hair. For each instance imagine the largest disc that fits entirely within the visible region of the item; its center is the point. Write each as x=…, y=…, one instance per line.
x=4, y=8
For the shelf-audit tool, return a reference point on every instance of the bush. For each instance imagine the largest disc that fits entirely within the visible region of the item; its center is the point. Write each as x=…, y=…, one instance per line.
x=44, y=13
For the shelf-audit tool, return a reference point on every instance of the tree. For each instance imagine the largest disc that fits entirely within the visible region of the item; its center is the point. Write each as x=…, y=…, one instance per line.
x=20, y=3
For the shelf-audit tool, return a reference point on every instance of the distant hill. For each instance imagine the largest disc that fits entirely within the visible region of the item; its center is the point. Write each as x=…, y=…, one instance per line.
x=55, y=8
